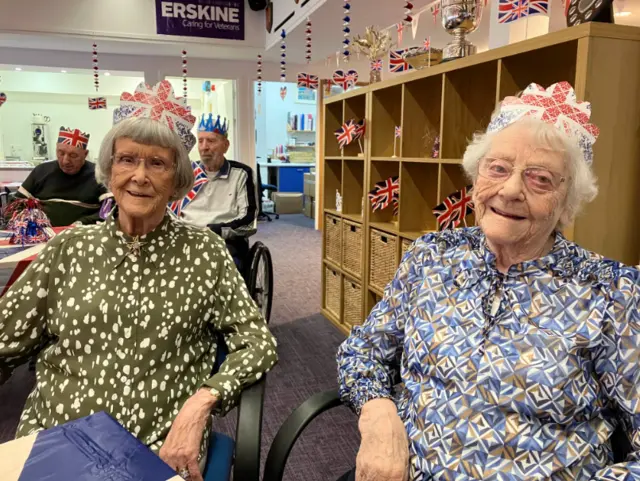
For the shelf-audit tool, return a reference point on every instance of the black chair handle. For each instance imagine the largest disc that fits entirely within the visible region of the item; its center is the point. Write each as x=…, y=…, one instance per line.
x=291, y=430
x=249, y=433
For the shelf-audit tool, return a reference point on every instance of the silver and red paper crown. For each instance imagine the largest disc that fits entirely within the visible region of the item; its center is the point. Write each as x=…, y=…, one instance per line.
x=158, y=103
x=557, y=106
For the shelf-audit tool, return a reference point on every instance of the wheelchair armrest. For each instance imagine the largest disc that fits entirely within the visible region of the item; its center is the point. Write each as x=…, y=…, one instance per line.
x=249, y=433
x=291, y=430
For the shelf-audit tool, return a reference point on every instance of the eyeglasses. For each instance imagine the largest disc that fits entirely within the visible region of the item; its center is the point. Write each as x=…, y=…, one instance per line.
x=155, y=165
x=537, y=179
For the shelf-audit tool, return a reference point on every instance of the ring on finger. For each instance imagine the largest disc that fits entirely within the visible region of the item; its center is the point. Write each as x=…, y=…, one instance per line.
x=184, y=474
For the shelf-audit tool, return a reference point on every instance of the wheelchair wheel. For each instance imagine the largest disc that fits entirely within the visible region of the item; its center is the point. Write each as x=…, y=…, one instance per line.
x=261, y=278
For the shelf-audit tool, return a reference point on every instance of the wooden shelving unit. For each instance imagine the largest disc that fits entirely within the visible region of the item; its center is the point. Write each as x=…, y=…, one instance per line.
x=453, y=100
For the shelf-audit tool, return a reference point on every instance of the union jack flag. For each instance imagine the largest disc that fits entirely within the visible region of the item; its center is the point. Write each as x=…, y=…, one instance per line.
x=96, y=103
x=201, y=179
x=454, y=209
x=385, y=193
x=73, y=137
x=346, y=134
x=427, y=44
x=397, y=63
x=398, y=131
x=308, y=81
x=435, y=10
x=360, y=129
x=376, y=65
x=512, y=10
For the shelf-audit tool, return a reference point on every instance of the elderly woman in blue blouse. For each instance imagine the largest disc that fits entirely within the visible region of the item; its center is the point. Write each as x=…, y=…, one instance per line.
x=519, y=350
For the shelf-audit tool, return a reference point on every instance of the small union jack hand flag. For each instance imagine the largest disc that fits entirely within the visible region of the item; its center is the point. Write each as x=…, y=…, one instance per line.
x=346, y=134
x=385, y=193
x=398, y=131
x=360, y=129
x=376, y=66
x=96, y=103
x=427, y=44
x=454, y=209
x=308, y=81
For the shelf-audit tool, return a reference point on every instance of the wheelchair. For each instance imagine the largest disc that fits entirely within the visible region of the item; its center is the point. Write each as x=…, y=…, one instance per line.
x=257, y=272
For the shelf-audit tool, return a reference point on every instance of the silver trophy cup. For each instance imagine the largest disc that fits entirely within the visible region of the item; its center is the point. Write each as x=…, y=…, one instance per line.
x=460, y=18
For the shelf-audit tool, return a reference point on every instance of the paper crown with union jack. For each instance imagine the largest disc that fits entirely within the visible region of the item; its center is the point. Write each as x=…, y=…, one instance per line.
x=73, y=137
x=158, y=103
x=556, y=105
x=218, y=127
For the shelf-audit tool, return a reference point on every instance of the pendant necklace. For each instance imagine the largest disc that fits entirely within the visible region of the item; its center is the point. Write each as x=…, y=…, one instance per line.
x=135, y=246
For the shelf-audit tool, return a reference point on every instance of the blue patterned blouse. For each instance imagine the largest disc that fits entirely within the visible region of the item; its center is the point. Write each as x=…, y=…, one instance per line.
x=518, y=376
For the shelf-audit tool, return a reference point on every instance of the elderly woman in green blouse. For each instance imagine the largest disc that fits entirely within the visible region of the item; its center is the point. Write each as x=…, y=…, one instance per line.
x=125, y=313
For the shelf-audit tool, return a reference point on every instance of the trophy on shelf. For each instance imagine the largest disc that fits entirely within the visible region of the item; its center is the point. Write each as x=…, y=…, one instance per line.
x=375, y=45
x=39, y=135
x=460, y=18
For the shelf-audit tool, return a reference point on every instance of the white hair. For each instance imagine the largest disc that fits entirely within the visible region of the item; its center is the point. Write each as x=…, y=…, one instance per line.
x=581, y=182
x=148, y=132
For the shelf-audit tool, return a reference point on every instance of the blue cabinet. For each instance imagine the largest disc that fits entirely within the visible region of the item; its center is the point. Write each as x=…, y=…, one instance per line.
x=291, y=179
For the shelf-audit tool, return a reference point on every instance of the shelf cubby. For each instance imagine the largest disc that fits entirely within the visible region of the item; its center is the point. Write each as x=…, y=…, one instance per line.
x=421, y=116
x=332, y=122
x=516, y=72
x=418, y=197
x=332, y=182
x=469, y=100
x=381, y=171
x=386, y=114
x=372, y=298
x=353, y=187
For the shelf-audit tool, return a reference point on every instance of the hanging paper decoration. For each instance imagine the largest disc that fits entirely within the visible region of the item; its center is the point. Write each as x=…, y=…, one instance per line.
x=97, y=103
x=308, y=33
x=96, y=80
x=27, y=222
x=400, y=29
x=384, y=194
x=259, y=74
x=3, y=98
x=184, y=76
x=414, y=25
x=346, y=30
x=435, y=10
x=306, y=80
x=346, y=80
x=283, y=57
x=346, y=133
x=283, y=92
x=408, y=7
x=454, y=209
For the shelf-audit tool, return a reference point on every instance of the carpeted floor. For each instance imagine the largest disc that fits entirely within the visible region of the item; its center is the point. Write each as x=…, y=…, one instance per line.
x=307, y=346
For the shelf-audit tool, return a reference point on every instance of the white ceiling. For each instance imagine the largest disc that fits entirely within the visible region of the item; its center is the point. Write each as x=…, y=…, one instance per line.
x=327, y=34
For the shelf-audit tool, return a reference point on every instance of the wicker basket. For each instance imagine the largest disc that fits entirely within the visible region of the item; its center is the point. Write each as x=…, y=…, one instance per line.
x=333, y=238
x=383, y=259
x=333, y=291
x=352, y=297
x=406, y=243
x=352, y=248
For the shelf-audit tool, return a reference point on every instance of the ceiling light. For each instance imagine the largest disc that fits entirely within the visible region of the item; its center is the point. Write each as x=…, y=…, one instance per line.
x=622, y=14
x=18, y=69
x=107, y=74
x=63, y=71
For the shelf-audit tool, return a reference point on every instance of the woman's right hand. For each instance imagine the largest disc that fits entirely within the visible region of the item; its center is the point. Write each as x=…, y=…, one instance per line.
x=384, y=450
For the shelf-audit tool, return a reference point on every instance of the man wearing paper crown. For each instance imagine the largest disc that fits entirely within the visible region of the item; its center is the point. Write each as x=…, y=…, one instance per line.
x=67, y=189
x=224, y=196
x=124, y=316
x=518, y=350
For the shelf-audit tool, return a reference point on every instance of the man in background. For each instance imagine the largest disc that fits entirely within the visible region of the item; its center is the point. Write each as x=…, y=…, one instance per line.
x=224, y=197
x=67, y=189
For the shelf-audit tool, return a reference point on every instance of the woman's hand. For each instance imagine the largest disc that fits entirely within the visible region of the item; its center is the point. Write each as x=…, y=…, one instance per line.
x=182, y=446
x=384, y=450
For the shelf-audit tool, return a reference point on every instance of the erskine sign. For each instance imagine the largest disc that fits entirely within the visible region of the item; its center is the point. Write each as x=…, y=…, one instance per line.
x=201, y=18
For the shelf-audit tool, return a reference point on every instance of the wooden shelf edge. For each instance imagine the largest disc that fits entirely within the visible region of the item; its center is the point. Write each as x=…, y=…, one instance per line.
x=451, y=161
x=421, y=160
x=332, y=157
x=385, y=159
x=348, y=276
x=353, y=218
x=387, y=227
x=347, y=95
x=330, y=317
x=332, y=265
x=353, y=157
x=333, y=212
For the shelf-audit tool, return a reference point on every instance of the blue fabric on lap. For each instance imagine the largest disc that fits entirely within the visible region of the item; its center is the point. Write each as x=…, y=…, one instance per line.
x=219, y=458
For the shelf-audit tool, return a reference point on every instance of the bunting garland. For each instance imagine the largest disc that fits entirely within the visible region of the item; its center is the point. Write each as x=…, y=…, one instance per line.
x=283, y=56
x=400, y=29
x=408, y=7
x=346, y=30
x=435, y=10
x=184, y=76
x=308, y=33
x=259, y=74
x=96, y=81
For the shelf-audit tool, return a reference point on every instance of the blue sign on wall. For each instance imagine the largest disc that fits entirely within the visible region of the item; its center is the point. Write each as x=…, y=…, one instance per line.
x=201, y=18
